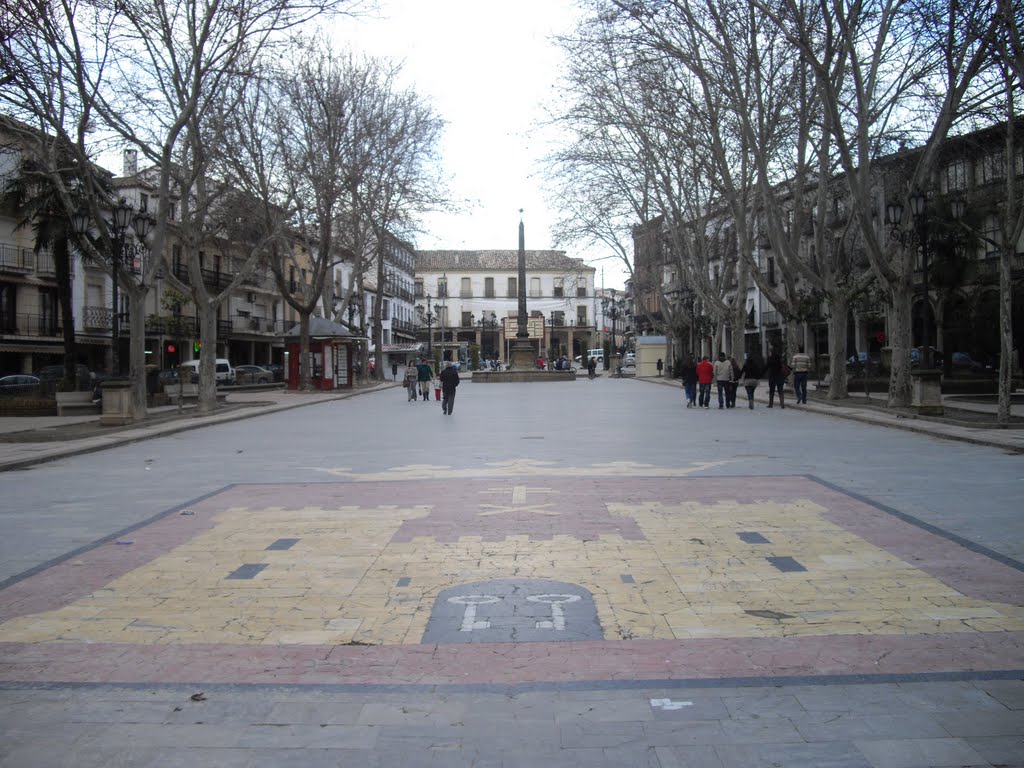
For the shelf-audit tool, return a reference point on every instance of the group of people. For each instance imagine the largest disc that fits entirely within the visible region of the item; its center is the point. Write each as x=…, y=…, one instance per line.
x=728, y=376
x=419, y=380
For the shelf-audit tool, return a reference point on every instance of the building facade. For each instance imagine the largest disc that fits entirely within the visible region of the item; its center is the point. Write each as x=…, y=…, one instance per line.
x=468, y=298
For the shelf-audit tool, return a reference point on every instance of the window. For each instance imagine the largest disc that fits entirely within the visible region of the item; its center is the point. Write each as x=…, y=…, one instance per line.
x=771, y=270
x=535, y=286
x=558, y=318
x=143, y=202
x=419, y=287
x=176, y=266
x=442, y=287
x=993, y=166
x=513, y=289
x=559, y=287
x=8, y=307
x=489, y=287
x=955, y=176
x=581, y=290
x=467, y=319
x=385, y=313
x=466, y=288
x=992, y=235
x=48, y=311
x=581, y=315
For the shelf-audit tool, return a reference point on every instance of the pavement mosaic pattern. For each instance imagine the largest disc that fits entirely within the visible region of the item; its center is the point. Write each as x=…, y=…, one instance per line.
x=437, y=575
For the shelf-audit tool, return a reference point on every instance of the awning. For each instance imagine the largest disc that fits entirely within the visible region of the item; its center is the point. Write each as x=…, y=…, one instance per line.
x=40, y=349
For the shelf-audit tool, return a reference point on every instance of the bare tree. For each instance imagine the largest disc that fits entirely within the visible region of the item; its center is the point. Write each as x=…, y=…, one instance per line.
x=158, y=76
x=875, y=64
x=401, y=177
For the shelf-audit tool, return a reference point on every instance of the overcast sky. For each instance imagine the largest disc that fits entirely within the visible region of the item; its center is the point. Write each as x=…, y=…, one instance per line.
x=487, y=66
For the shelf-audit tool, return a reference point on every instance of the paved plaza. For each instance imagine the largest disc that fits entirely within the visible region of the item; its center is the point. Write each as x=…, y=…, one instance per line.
x=581, y=573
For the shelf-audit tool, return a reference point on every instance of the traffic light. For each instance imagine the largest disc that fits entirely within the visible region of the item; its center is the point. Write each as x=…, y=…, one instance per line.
x=196, y=347
x=171, y=349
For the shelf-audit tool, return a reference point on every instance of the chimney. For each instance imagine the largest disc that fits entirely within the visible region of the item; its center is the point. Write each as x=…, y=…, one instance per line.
x=131, y=162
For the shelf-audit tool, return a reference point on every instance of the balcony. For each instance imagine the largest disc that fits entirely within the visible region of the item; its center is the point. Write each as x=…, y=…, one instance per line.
x=97, y=318
x=770, y=319
x=211, y=278
x=261, y=325
x=15, y=259
x=184, y=327
x=36, y=326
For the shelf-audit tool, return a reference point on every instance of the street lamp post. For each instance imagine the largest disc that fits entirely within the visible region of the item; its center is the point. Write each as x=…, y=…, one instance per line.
x=142, y=223
x=429, y=317
x=917, y=236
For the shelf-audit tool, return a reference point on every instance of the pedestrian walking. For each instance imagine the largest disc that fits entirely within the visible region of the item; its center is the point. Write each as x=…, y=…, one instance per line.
x=424, y=373
x=661, y=365
x=689, y=374
x=449, y=381
x=750, y=375
x=801, y=370
x=411, y=380
x=723, y=375
x=591, y=367
x=705, y=375
x=734, y=379
x=775, y=370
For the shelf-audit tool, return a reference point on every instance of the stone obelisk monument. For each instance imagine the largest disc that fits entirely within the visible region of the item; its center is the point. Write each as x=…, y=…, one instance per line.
x=523, y=354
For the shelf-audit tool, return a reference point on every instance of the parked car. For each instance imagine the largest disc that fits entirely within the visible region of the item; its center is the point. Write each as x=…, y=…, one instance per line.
x=277, y=370
x=253, y=374
x=224, y=372
x=19, y=384
x=964, y=362
x=84, y=378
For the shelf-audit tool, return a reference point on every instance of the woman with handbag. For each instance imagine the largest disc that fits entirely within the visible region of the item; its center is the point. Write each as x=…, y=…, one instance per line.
x=750, y=375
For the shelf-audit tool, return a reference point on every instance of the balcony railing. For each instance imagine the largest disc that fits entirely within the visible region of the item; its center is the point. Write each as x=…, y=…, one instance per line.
x=256, y=325
x=770, y=319
x=15, y=259
x=184, y=327
x=23, y=324
x=97, y=318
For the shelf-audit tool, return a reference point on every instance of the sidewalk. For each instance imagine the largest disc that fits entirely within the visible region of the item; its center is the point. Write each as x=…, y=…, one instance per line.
x=873, y=410
x=29, y=440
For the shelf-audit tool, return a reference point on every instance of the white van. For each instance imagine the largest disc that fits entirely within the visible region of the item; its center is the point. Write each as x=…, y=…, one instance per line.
x=225, y=372
x=598, y=353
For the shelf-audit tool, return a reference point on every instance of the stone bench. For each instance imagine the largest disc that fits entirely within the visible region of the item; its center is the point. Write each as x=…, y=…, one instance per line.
x=76, y=404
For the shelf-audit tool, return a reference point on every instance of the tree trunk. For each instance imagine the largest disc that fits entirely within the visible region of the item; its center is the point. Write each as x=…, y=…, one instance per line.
x=900, y=389
x=304, y=361
x=1005, y=333
x=208, y=357
x=839, y=311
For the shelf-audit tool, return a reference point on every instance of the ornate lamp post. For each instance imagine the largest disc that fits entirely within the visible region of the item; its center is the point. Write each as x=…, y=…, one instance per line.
x=121, y=217
x=428, y=318
x=916, y=236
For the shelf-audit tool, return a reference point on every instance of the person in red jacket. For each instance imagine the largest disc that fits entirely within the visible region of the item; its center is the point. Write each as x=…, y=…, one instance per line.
x=705, y=375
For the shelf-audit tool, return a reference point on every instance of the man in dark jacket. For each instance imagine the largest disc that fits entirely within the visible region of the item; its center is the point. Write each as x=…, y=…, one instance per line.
x=449, y=381
x=424, y=373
